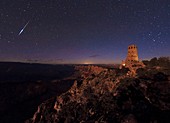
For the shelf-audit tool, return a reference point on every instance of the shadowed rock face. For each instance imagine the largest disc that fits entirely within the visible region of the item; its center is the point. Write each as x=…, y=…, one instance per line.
x=103, y=97
x=24, y=86
x=20, y=100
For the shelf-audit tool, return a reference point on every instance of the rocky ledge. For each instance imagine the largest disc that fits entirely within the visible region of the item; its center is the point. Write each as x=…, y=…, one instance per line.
x=104, y=97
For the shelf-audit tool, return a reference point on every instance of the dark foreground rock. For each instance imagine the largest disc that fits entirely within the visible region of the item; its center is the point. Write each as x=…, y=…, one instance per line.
x=24, y=86
x=103, y=97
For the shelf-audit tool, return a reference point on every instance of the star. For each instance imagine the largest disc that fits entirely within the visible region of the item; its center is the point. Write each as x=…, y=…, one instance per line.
x=73, y=29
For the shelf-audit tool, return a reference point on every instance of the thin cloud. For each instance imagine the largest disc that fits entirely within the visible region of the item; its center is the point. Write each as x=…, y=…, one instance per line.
x=94, y=56
x=31, y=60
x=59, y=59
x=55, y=60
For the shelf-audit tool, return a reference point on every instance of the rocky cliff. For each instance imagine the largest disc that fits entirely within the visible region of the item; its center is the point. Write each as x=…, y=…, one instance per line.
x=99, y=95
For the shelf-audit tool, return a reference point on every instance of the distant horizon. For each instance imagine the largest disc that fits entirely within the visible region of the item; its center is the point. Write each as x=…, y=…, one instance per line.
x=85, y=63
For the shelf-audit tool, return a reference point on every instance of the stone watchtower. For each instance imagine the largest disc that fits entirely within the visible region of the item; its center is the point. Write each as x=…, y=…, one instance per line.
x=132, y=54
x=132, y=60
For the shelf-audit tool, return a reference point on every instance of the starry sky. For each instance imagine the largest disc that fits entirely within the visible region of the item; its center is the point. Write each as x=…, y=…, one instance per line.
x=83, y=31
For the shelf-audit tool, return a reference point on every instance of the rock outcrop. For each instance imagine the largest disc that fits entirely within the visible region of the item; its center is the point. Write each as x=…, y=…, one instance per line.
x=101, y=96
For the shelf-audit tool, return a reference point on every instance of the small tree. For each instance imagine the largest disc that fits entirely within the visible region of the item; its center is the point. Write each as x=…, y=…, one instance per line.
x=164, y=62
x=153, y=62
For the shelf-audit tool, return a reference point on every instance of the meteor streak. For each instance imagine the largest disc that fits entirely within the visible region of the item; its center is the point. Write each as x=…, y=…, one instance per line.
x=23, y=28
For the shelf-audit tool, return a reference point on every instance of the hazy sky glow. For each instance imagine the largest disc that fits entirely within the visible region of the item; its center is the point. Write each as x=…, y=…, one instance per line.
x=83, y=31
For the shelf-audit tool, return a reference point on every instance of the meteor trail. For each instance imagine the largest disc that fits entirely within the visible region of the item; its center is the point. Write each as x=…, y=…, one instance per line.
x=23, y=28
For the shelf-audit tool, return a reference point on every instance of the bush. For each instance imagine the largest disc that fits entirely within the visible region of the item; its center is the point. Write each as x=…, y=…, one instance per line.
x=161, y=61
x=160, y=77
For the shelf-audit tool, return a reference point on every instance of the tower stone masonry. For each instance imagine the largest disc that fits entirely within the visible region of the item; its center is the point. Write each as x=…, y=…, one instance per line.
x=132, y=60
x=132, y=53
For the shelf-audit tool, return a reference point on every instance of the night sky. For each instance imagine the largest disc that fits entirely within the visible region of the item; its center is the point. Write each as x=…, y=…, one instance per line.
x=83, y=31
